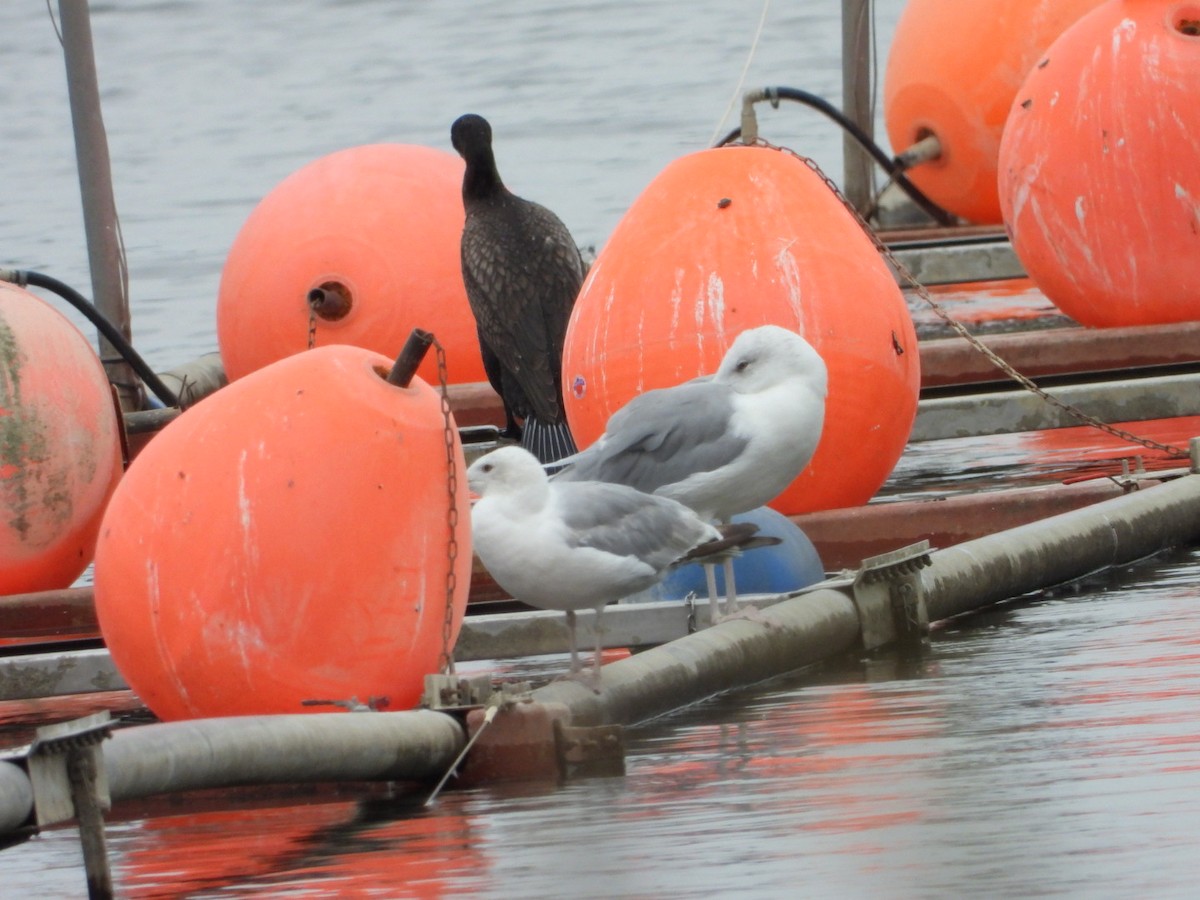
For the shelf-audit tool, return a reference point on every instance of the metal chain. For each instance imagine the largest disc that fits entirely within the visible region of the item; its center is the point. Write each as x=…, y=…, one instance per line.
x=446, y=662
x=312, y=326
x=961, y=329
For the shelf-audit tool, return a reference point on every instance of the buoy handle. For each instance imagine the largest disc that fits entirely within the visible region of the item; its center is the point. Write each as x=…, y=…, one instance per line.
x=410, y=357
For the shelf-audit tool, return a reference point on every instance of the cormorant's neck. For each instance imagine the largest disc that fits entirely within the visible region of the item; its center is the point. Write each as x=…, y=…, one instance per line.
x=482, y=179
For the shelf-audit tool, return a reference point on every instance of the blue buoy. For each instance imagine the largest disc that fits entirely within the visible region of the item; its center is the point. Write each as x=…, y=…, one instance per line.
x=788, y=566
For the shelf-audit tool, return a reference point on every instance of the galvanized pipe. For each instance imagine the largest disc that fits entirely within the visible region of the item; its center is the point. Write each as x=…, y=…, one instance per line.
x=820, y=624
x=858, y=180
x=1062, y=548
x=417, y=745
x=99, y=205
x=16, y=797
x=193, y=381
x=736, y=653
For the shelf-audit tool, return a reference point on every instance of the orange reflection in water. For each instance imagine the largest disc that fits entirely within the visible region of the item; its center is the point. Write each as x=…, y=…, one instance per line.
x=815, y=766
x=340, y=848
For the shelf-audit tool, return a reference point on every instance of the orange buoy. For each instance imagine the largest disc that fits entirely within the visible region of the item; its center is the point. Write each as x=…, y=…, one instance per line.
x=60, y=445
x=729, y=239
x=371, y=235
x=287, y=539
x=1098, y=177
x=952, y=71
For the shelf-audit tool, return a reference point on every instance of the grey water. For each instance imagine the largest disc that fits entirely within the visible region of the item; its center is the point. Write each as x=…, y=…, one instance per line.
x=1049, y=747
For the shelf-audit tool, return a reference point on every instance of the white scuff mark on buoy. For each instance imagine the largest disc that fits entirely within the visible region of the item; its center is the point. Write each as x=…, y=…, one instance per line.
x=676, y=303
x=1152, y=62
x=612, y=292
x=1029, y=175
x=1054, y=99
x=244, y=635
x=716, y=303
x=1125, y=31
x=1080, y=238
x=1190, y=204
x=1081, y=211
x=153, y=588
x=246, y=521
x=785, y=261
x=243, y=497
x=422, y=586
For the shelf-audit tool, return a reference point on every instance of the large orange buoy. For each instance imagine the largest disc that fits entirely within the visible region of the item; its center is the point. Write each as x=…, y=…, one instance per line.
x=1099, y=176
x=729, y=239
x=371, y=234
x=286, y=539
x=60, y=445
x=952, y=71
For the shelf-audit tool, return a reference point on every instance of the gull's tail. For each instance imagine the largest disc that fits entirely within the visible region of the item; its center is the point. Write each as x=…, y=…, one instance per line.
x=735, y=537
x=548, y=441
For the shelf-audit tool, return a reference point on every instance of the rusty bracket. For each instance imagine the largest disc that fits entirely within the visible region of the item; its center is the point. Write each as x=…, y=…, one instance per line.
x=453, y=693
x=51, y=759
x=889, y=598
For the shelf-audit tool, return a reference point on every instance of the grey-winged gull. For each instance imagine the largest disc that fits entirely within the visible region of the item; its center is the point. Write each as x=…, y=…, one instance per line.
x=522, y=272
x=580, y=545
x=721, y=445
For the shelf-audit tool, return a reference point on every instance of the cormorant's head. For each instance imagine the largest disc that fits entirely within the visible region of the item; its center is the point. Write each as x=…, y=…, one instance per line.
x=470, y=133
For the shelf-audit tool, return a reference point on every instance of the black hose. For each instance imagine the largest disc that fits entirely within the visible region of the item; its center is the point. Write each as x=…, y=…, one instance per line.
x=894, y=170
x=22, y=277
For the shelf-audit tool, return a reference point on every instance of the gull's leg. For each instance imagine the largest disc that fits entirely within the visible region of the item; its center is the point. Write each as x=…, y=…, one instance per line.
x=714, y=601
x=599, y=632
x=731, y=601
x=575, y=664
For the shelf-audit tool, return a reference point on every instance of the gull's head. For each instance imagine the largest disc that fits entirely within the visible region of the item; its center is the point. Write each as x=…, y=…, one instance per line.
x=508, y=469
x=763, y=357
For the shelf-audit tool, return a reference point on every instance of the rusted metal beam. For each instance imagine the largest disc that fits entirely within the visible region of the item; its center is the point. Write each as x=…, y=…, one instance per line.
x=47, y=615
x=845, y=537
x=1060, y=351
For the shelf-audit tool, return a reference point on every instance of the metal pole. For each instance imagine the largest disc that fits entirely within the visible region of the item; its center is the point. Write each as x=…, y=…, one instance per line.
x=858, y=179
x=95, y=184
x=81, y=770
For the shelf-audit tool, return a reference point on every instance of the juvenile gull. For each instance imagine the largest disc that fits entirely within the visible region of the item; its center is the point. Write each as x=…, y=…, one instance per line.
x=522, y=272
x=579, y=545
x=721, y=445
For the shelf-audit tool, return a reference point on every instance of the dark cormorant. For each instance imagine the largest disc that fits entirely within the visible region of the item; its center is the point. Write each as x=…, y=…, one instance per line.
x=522, y=272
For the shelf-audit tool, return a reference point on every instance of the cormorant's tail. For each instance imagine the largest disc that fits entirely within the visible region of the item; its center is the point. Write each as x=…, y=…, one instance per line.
x=548, y=441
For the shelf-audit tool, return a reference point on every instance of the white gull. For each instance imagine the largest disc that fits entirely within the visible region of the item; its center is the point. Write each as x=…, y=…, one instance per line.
x=579, y=545
x=721, y=445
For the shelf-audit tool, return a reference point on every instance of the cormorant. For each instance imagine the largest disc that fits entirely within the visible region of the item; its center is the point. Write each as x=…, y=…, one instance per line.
x=522, y=272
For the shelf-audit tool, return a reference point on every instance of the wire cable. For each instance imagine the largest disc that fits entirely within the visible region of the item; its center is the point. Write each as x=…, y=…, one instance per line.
x=23, y=277
x=887, y=163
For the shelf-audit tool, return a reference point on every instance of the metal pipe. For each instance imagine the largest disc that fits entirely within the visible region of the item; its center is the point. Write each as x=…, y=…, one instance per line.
x=858, y=182
x=410, y=357
x=1062, y=548
x=83, y=776
x=736, y=653
x=331, y=301
x=823, y=623
x=99, y=205
x=416, y=745
x=195, y=380
x=16, y=797
x=925, y=150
